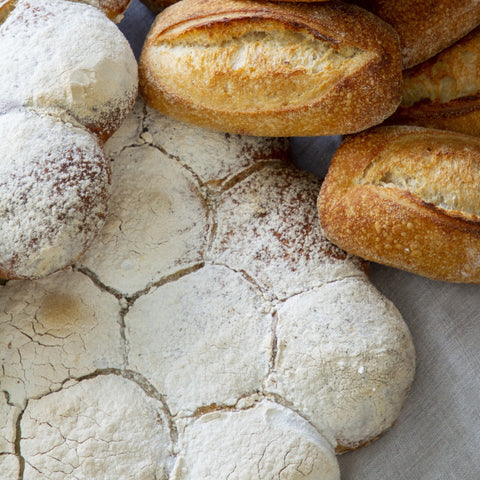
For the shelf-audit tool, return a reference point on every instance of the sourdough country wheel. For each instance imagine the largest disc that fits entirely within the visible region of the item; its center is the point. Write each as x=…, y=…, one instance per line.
x=210, y=329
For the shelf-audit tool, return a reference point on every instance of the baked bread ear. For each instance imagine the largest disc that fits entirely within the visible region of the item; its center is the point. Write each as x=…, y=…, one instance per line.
x=425, y=27
x=443, y=92
x=407, y=197
x=273, y=69
x=156, y=6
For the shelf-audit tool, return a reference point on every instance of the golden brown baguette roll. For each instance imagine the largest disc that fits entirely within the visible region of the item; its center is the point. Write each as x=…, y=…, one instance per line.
x=426, y=27
x=272, y=69
x=407, y=197
x=444, y=91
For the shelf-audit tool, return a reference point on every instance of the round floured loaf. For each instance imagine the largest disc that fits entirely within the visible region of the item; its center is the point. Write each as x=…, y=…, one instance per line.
x=54, y=190
x=67, y=81
x=275, y=69
x=211, y=315
x=407, y=197
x=67, y=59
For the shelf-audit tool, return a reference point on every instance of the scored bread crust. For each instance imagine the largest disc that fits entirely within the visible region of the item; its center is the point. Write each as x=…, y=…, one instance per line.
x=425, y=27
x=443, y=92
x=405, y=197
x=201, y=63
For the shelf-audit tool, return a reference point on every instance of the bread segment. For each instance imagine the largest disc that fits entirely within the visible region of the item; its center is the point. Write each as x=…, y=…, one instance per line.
x=271, y=69
x=406, y=197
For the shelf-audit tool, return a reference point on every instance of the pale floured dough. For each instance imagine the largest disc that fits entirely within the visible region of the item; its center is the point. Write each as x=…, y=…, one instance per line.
x=54, y=189
x=264, y=442
x=100, y=428
x=72, y=61
x=203, y=339
x=344, y=358
x=8, y=426
x=214, y=157
x=54, y=329
x=265, y=229
x=9, y=466
x=157, y=222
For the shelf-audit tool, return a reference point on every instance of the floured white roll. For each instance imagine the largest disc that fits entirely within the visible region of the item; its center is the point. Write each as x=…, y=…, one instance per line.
x=54, y=188
x=234, y=351
x=68, y=59
x=54, y=329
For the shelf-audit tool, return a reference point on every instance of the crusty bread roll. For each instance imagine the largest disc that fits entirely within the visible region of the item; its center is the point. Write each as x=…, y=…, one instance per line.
x=67, y=81
x=113, y=9
x=426, y=27
x=273, y=69
x=443, y=92
x=407, y=197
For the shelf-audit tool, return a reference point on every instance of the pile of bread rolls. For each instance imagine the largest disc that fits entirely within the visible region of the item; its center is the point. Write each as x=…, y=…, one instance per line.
x=401, y=196
x=67, y=81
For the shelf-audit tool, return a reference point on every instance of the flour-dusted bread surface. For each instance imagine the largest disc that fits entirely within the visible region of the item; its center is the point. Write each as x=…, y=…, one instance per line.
x=54, y=189
x=8, y=426
x=54, y=329
x=68, y=59
x=426, y=28
x=263, y=441
x=263, y=228
x=407, y=197
x=186, y=372
x=205, y=349
x=335, y=365
x=276, y=69
x=104, y=427
x=443, y=92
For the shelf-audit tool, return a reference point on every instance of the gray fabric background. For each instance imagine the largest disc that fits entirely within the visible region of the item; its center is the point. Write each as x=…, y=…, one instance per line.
x=437, y=436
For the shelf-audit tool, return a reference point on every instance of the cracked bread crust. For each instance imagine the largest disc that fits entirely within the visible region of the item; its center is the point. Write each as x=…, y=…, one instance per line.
x=406, y=197
x=263, y=68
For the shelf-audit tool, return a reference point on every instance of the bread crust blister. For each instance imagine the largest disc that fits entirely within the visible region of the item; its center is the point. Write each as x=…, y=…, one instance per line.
x=406, y=197
x=270, y=69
